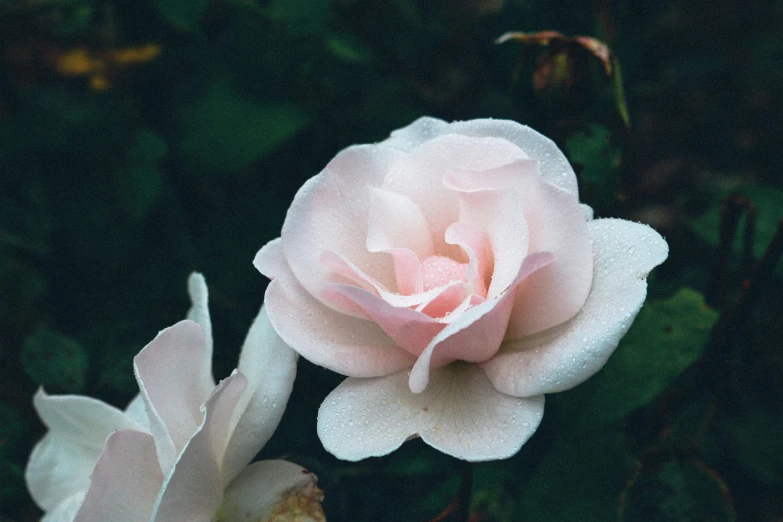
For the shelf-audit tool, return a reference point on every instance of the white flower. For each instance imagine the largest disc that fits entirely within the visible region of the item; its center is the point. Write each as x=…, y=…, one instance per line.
x=180, y=450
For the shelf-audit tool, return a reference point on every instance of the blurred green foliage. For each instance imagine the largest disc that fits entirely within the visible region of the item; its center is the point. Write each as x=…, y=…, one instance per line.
x=142, y=140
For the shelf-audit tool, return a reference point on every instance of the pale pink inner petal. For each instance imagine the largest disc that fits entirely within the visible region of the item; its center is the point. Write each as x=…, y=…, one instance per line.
x=500, y=214
x=411, y=330
x=556, y=224
x=397, y=226
x=340, y=266
x=474, y=242
x=418, y=175
x=477, y=334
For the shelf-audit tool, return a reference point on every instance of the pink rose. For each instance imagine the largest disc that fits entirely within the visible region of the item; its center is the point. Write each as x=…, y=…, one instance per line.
x=451, y=273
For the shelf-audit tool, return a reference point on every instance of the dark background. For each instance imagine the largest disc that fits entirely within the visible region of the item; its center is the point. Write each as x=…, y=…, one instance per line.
x=141, y=140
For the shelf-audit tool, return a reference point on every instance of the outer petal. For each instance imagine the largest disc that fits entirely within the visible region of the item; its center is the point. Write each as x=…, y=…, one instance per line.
x=555, y=168
x=562, y=357
x=193, y=488
x=347, y=345
x=61, y=463
x=125, y=482
x=331, y=211
x=137, y=411
x=65, y=510
x=172, y=377
x=273, y=490
x=421, y=130
x=199, y=313
x=460, y=414
x=269, y=365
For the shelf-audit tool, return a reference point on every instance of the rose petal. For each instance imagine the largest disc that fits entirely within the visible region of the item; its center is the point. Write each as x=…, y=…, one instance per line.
x=199, y=313
x=460, y=414
x=556, y=223
x=397, y=226
x=587, y=212
x=270, y=260
x=269, y=365
x=410, y=329
x=473, y=240
x=346, y=345
x=125, y=481
x=498, y=212
x=396, y=222
x=410, y=137
x=172, y=378
x=61, y=463
x=193, y=488
x=263, y=486
x=331, y=211
x=419, y=175
x=560, y=358
x=555, y=168
x=137, y=411
x=66, y=510
x=476, y=335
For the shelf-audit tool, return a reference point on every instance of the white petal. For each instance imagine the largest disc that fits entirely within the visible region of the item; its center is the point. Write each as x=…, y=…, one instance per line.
x=331, y=210
x=171, y=372
x=421, y=130
x=61, y=463
x=269, y=365
x=460, y=413
x=263, y=488
x=125, y=482
x=199, y=313
x=65, y=510
x=193, y=488
x=562, y=357
x=554, y=166
x=587, y=212
x=343, y=344
x=137, y=411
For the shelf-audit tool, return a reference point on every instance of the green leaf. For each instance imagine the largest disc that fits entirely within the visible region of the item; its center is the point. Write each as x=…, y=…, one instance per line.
x=599, y=162
x=769, y=209
x=223, y=132
x=580, y=478
x=675, y=491
x=184, y=14
x=55, y=361
x=666, y=337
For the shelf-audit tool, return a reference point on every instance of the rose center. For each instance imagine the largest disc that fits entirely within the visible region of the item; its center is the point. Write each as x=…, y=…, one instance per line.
x=440, y=270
